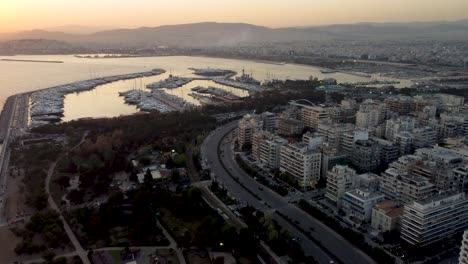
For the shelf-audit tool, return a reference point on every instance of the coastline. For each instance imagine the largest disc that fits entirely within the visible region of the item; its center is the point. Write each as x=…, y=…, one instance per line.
x=38, y=61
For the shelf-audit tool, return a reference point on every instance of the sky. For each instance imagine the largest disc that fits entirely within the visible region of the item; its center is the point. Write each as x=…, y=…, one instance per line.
x=16, y=15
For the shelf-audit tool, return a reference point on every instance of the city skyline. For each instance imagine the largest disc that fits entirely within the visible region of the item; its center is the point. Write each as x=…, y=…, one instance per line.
x=28, y=14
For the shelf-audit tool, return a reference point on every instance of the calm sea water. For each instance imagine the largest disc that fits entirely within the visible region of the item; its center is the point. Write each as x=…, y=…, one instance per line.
x=17, y=77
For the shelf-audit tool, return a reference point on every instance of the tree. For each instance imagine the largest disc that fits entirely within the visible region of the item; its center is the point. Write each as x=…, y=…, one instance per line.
x=133, y=177
x=148, y=179
x=39, y=199
x=170, y=164
x=63, y=181
x=48, y=256
x=60, y=260
x=179, y=160
x=76, y=196
x=219, y=260
x=175, y=176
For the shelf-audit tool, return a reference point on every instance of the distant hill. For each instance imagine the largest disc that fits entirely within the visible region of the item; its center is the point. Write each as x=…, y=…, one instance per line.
x=38, y=47
x=210, y=34
x=78, y=29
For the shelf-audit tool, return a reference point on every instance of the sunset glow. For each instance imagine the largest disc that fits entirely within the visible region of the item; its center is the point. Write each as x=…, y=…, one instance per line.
x=32, y=14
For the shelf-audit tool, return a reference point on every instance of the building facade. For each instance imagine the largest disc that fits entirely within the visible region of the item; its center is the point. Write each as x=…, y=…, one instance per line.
x=301, y=162
x=433, y=219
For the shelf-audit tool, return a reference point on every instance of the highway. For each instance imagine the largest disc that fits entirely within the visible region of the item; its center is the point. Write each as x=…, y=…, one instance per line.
x=225, y=168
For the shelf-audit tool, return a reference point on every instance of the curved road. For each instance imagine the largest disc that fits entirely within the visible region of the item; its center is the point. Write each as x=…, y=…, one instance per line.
x=224, y=166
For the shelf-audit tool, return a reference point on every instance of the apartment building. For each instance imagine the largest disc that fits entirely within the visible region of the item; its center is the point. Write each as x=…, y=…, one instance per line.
x=438, y=217
x=301, y=162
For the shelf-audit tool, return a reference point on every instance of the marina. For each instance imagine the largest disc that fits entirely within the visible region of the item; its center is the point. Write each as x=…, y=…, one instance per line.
x=208, y=72
x=245, y=86
x=216, y=93
x=156, y=100
x=47, y=106
x=170, y=83
x=69, y=99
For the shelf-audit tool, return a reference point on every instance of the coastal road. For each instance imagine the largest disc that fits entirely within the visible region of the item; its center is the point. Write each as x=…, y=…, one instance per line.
x=225, y=168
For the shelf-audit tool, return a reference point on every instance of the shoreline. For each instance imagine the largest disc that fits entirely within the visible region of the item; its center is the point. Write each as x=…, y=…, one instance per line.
x=38, y=61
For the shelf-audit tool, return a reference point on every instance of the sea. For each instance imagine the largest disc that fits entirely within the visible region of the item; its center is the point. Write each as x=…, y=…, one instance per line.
x=104, y=101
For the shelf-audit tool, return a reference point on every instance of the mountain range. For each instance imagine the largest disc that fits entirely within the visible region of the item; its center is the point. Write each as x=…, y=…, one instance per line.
x=209, y=34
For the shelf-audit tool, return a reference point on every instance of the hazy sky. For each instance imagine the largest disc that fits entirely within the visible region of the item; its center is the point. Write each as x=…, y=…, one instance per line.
x=29, y=14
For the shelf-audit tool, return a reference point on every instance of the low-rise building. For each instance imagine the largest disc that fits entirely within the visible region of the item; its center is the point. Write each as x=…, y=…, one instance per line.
x=358, y=204
x=386, y=216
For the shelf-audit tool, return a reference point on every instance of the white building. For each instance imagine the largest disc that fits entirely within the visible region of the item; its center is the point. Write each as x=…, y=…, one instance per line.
x=339, y=180
x=332, y=133
x=349, y=138
x=301, y=162
x=463, y=259
x=270, y=121
x=370, y=114
x=358, y=204
x=313, y=116
x=247, y=126
x=398, y=185
x=266, y=149
x=433, y=219
x=394, y=126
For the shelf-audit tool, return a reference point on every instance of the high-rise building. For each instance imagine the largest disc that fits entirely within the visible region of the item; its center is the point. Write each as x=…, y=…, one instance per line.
x=301, y=162
x=349, y=139
x=266, y=149
x=339, y=180
x=270, y=121
x=313, y=116
x=460, y=179
x=389, y=150
x=404, y=188
x=404, y=141
x=400, y=124
x=289, y=126
x=402, y=105
x=438, y=217
x=371, y=113
x=424, y=137
x=247, y=126
x=332, y=133
x=365, y=155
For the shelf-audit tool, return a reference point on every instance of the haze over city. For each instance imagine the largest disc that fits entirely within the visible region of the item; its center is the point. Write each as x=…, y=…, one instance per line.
x=17, y=15
x=233, y=131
